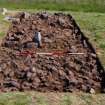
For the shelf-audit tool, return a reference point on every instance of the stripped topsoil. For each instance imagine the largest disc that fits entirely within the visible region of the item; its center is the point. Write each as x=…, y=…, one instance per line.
x=43, y=72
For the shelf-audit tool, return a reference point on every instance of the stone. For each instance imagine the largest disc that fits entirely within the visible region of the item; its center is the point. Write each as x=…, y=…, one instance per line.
x=61, y=21
x=15, y=84
x=44, y=16
x=92, y=91
x=29, y=74
x=4, y=11
x=47, y=40
x=26, y=15
x=33, y=69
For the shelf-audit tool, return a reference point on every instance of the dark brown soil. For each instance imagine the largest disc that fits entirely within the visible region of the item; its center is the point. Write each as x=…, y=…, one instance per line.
x=48, y=73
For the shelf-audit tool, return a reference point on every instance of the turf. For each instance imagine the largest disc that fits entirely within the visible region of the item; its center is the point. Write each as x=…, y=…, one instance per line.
x=59, y=5
x=36, y=98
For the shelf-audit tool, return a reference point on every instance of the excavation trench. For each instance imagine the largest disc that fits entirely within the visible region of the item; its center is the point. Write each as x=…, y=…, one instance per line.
x=65, y=61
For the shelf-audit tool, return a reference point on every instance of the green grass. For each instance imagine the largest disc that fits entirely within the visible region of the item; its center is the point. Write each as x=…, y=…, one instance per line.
x=41, y=100
x=2, y=34
x=37, y=98
x=4, y=25
x=66, y=100
x=59, y=5
x=102, y=45
x=14, y=99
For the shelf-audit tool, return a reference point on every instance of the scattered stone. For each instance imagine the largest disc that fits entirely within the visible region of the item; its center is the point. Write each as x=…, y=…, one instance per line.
x=26, y=15
x=47, y=40
x=4, y=11
x=15, y=84
x=7, y=18
x=61, y=21
x=92, y=91
x=44, y=16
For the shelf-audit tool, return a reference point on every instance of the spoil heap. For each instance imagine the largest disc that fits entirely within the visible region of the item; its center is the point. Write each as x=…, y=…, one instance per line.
x=62, y=72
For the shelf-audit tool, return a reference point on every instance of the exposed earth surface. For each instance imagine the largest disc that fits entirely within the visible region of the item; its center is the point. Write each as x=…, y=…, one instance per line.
x=72, y=66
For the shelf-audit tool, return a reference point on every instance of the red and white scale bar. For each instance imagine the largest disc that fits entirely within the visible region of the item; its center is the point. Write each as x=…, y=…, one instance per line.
x=42, y=53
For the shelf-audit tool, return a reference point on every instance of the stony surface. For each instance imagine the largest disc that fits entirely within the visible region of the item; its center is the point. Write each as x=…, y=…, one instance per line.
x=48, y=73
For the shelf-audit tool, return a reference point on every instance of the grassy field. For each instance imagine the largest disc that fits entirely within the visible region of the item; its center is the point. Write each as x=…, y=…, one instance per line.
x=36, y=98
x=59, y=5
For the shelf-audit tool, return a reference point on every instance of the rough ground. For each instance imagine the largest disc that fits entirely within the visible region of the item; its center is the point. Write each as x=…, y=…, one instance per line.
x=48, y=73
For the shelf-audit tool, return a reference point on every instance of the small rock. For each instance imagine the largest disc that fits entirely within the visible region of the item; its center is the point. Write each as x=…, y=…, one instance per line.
x=85, y=43
x=25, y=86
x=26, y=15
x=16, y=84
x=33, y=69
x=11, y=74
x=34, y=22
x=93, y=55
x=47, y=40
x=29, y=74
x=11, y=38
x=84, y=88
x=73, y=49
x=92, y=91
x=61, y=21
x=30, y=45
x=7, y=18
x=4, y=11
x=44, y=16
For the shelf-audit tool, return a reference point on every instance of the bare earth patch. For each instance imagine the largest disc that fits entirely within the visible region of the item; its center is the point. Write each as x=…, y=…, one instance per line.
x=63, y=72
